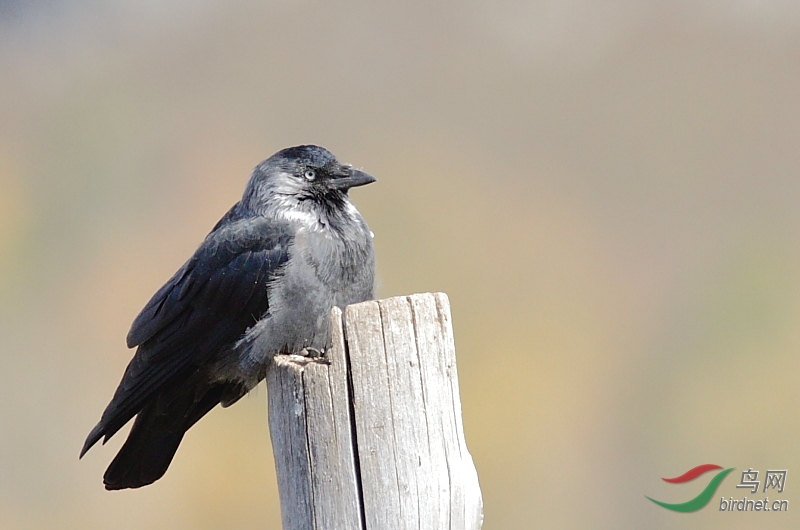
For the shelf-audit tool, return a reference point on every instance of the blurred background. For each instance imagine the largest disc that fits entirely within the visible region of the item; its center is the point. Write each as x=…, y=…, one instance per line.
x=608, y=192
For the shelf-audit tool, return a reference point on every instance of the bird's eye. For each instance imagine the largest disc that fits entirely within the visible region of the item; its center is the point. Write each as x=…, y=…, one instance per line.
x=310, y=174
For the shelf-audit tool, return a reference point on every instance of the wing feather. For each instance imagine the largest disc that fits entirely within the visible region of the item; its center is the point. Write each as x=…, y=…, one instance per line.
x=208, y=304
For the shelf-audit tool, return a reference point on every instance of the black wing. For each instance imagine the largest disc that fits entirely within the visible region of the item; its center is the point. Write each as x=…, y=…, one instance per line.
x=207, y=305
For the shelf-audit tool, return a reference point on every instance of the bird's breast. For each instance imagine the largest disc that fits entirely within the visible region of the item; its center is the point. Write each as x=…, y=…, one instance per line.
x=342, y=260
x=323, y=270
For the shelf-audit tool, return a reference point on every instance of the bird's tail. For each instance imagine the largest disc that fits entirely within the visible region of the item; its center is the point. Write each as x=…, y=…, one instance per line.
x=156, y=435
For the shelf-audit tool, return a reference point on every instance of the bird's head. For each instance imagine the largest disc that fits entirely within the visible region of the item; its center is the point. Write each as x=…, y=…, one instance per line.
x=304, y=179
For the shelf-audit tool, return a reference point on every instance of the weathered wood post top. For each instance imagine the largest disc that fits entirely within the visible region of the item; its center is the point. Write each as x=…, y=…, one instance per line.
x=373, y=439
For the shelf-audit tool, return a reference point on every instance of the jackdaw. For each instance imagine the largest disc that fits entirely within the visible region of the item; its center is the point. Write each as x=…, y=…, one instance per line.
x=262, y=282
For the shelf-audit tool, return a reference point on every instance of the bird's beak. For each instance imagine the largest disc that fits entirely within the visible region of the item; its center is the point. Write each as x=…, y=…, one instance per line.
x=354, y=179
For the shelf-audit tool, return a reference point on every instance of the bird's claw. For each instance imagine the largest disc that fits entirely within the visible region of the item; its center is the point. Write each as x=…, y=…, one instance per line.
x=315, y=354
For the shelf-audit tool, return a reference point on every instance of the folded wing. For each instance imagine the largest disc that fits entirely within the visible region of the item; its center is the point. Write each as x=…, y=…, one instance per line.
x=205, y=307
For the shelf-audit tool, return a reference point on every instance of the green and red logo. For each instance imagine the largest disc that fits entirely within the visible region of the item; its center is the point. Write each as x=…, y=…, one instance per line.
x=705, y=495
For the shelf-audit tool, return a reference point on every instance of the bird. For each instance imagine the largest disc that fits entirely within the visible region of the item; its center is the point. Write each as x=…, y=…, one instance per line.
x=262, y=283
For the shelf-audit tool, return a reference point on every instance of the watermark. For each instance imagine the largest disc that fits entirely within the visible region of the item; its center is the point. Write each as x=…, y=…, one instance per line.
x=705, y=496
x=774, y=479
x=752, y=505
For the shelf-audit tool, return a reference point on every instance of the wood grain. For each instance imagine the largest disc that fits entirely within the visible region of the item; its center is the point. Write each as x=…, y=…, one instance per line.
x=374, y=439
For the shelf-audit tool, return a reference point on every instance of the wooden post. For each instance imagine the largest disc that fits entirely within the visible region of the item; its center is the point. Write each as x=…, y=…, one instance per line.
x=374, y=440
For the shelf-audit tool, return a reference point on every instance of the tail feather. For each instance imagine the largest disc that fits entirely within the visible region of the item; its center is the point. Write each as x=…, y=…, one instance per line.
x=131, y=397
x=156, y=434
x=143, y=459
